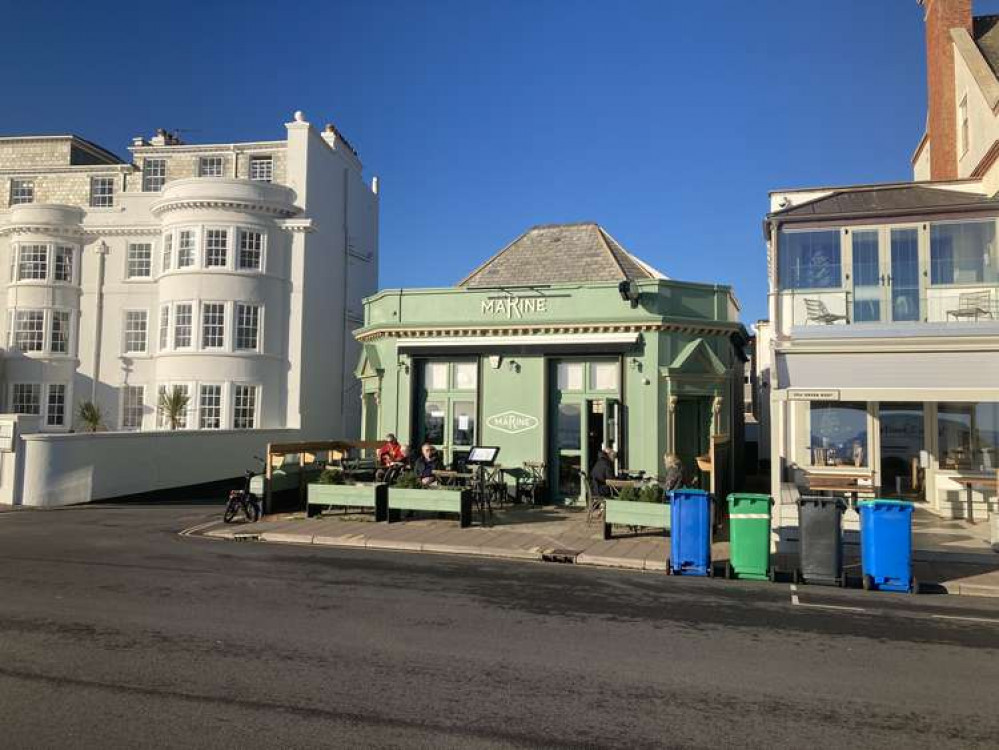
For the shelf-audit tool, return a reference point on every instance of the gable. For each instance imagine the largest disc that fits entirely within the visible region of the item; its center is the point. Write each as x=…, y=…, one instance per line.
x=369, y=364
x=697, y=358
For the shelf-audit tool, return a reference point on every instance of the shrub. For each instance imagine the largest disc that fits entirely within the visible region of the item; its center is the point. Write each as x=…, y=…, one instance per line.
x=332, y=476
x=408, y=481
x=651, y=493
x=629, y=493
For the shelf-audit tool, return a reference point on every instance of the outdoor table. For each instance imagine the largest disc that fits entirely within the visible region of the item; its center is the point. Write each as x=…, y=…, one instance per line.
x=842, y=486
x=520, y=477
x=971, y=482
x=453, y=478
x=616, y=485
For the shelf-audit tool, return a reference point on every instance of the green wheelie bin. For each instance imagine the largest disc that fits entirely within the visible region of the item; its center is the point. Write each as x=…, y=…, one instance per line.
x=749, y=537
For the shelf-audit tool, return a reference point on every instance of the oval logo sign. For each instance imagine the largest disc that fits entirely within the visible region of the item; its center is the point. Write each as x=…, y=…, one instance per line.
x=512, y=422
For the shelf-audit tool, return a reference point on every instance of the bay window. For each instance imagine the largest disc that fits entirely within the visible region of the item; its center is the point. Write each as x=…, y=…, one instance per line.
x=809, y=260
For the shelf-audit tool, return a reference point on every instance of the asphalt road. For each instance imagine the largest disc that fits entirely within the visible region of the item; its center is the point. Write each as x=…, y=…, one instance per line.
x=117, y=632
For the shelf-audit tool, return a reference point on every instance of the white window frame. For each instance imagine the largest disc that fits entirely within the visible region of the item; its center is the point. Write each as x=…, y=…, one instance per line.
x=236, y=325
x=47, y=407
x=208, y=249
x=166, y=252
x=202, y=331
x=53, y=315
x=22, y=191
x=165, y=332
x=127, y=316
x=14, y=329
x=193, y=232
x=236, y=387
x=124, y=406
x=261, y=159
x=238, y=250
x=149, y=178
x=189, y=414
x=63, y=252
x=11, y=398
x=173, y=327
x=41, y=261
x=129, y=260
x=103, y=198
x=220, y=415
x=204, y=161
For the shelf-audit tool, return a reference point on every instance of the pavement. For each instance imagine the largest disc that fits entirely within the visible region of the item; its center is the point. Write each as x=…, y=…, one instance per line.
x=116, y=631
x=951, y=558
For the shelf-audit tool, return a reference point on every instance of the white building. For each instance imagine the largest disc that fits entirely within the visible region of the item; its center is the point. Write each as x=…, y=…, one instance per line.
x=884, y=306
x=233, y=272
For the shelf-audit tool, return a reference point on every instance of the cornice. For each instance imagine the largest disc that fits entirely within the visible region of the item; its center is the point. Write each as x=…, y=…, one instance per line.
x=226, y=204
x=118, y=231
x=297, y=225
x=414, y=332
x=61, y=230
x=926, y=345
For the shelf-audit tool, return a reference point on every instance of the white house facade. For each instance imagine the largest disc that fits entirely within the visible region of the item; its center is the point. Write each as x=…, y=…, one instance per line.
x=233, y=273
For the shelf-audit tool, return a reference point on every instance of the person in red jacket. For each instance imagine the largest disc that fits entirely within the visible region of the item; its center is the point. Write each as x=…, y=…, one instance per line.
x=392, y=452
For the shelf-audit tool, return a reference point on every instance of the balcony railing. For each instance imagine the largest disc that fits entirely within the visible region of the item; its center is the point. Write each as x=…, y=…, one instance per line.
x=963, y=307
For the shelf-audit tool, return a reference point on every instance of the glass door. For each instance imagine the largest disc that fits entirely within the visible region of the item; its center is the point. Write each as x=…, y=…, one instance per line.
x=901, y=430
x=867, y=277
x=903, y=275
x=446, y=409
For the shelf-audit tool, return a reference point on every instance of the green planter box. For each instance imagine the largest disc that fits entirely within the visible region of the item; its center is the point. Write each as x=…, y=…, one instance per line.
x=633, y=513
x=431, y=501
x=373, y=496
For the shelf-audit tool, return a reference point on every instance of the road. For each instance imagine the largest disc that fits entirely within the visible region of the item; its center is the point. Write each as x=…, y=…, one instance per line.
x=117, y=632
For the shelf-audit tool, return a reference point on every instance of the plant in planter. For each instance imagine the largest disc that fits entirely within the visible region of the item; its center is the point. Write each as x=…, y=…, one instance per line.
x=629, y=495
x=651, y=493
x=637, y=509
x=408, y=481
x=332, y=476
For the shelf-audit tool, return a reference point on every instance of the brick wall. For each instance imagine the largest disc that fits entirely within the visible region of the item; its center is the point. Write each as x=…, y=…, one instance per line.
x=32, y=154
x=941, y=17
x=67, y=188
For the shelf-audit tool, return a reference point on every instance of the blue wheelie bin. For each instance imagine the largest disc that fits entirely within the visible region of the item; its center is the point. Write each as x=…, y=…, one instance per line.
x=886, y=545
x=690, y=533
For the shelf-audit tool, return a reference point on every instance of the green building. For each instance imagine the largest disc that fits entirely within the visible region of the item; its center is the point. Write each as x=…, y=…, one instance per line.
x=561, y=342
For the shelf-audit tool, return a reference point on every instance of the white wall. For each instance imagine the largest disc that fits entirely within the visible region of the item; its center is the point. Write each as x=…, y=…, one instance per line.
x=80, y=467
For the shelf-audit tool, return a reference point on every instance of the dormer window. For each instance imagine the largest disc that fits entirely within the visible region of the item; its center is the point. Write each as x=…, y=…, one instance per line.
x=22, y=191
x=261, y=168
x=210, y=166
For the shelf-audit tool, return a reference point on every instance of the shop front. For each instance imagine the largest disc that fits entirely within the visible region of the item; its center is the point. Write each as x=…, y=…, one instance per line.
x=553, y=361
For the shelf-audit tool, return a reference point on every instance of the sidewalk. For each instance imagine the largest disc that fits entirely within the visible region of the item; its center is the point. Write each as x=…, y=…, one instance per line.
x=562, y=535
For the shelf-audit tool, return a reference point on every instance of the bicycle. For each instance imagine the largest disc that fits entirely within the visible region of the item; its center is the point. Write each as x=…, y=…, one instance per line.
x=243, y=500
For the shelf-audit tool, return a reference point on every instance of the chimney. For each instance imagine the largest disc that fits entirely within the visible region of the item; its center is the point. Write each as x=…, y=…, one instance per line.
x=941, y=122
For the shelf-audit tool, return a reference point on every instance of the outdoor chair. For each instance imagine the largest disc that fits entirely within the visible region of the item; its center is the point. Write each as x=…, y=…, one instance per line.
x=973, y=305
x=594, y=503
x=818, y=312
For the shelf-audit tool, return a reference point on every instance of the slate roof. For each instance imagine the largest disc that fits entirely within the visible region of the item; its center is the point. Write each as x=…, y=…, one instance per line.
x=985, y=31
x=886, y=200
x=560, y=254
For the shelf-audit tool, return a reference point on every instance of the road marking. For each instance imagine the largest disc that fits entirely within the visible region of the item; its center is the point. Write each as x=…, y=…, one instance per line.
x=194, y=529
x=836, y=607
x=966, y=619
x=794, y=596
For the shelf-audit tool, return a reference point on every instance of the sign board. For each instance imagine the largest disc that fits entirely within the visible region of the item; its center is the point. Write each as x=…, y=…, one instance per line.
x=6, y=435
x=514, y=307
x=512, y=422
x=806, y=394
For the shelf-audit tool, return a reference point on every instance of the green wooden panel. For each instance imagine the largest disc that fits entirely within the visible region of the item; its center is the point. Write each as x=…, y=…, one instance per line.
x=342, y=495
x=431, y=501
x=631, y=513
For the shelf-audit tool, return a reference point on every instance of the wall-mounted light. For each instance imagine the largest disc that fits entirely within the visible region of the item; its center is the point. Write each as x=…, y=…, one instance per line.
x=403, y=365
x=628, y=290
x=514, y=365
x=635, y=364
x=494, y=361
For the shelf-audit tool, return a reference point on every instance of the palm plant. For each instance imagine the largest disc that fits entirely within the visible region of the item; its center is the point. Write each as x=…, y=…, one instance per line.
x=90, y=414
x=173, y=406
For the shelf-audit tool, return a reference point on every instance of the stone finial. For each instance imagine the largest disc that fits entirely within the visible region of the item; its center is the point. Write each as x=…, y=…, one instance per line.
x=299, y=116
x=374, y=185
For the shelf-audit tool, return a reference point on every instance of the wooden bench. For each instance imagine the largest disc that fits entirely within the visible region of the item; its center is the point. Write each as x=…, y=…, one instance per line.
x=367, y=496
x=431, y=501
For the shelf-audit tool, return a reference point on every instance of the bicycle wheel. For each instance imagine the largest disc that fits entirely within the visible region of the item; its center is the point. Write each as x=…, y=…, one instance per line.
x=231, y=508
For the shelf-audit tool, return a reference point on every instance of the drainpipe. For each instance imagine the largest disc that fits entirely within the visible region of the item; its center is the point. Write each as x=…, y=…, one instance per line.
x=346, y=266
x=102, y=251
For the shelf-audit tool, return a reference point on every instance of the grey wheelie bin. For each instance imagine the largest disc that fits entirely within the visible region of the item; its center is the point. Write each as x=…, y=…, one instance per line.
x=820, y=524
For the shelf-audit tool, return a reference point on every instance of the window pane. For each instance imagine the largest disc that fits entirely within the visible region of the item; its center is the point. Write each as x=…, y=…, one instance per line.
x=182, y=326
x=433, y=422
x=210, y=407
x=101, y=192
x=55, y=411
x=603, y=376
x=465, y=376
x=963, y=253
x=213, y=325
x=25, y=398
x=809, y=260
x=570, y=376
x=866, y=277
x=261, y=168
x=185, y=248
x=250, y=247
x=569, y=427
x=136, y=326
x=29, y=330
x=132, y=407
x=248, y=327
x=153, y=174
x=904, y=274
x=60, y=332
x=32, y=262
x=210, y=166
x=216, y=247
x=463, y=426
x=140, y=260
x=968, y=436
x=167, y=259
x=839, y=434
x=63, y=264
x=164, y=327
x=244, y=407
x=435, y=376
x=21, y=191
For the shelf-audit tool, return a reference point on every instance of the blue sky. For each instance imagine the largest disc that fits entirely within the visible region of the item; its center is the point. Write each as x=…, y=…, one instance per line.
x=666, y=122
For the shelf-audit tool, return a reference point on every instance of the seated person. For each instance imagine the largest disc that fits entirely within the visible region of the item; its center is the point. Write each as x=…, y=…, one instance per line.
x=392, y=452
x=674, y=472
x=426, y=464
x=602, y=470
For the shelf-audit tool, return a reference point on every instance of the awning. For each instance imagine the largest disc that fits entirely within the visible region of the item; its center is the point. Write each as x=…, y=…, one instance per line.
x=569, y=343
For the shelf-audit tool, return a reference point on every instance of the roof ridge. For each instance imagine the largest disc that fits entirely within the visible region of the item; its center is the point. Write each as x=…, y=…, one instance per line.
x=603, y=239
